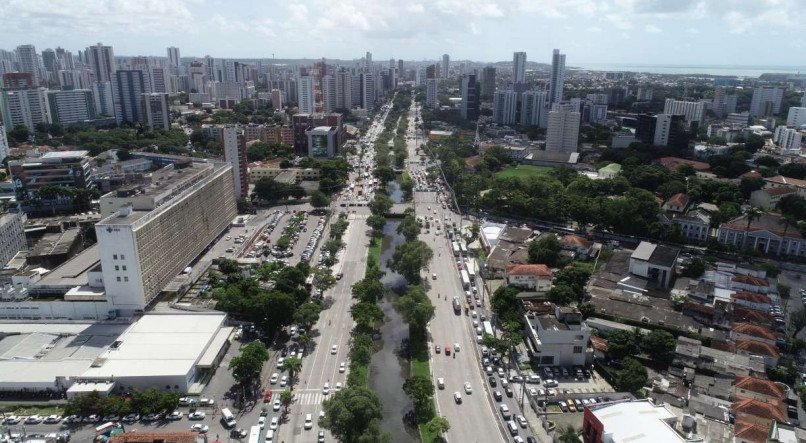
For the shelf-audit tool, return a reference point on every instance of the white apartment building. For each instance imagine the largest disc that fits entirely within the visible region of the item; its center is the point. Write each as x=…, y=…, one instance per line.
x=156, y=114
x=103, y=98
x=563, y=131
x=3, y=143
x=788, y=139
x=505, y=104
x=24, y=107
x=12, y=235
x=235, y=154
x=149, y=234
x=102, y=62
x=329, y=93
x=693, y=111
x=305, y=98
x=766, y=101
x=560, y=338
x=796, y=117
x=28, y=60
x=533, y=107
x=557, y=77
x=344, y=89
x=71, y=106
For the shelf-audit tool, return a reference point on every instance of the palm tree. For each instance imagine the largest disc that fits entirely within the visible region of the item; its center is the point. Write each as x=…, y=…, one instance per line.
x=293, y=365
x=569, y=435
x=286, y=398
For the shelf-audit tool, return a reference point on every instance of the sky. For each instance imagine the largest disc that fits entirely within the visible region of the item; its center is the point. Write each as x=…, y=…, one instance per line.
x=678, y=32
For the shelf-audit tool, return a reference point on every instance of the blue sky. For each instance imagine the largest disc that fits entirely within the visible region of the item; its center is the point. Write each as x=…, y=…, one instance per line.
x=712, y=32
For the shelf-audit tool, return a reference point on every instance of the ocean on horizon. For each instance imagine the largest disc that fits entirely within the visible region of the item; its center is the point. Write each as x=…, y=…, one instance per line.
x=725, y=70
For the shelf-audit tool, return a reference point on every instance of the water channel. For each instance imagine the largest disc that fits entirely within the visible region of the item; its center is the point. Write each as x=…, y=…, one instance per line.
x=389, y=366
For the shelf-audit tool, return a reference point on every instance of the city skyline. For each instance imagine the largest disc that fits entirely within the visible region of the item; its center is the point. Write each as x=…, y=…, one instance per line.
x=682, y=32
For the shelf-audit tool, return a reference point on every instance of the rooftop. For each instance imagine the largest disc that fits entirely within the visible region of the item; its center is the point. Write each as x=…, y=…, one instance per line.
x=761, y=386
x=636, y=422
x=533, y=270
x=753, y=330
x=74, y=271
x=786, y=181
x=764, y=222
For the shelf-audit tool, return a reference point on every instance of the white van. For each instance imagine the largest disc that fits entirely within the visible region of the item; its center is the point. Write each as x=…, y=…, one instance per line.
x=308, y=421
x=269, y=436
x=505, y=412
x=513, y=428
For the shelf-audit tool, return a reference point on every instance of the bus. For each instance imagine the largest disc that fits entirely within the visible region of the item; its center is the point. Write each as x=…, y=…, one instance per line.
x=488, y=327
x=465, y=279
x=227, y=418
x=455, y=246
x=254, y=434
x=462, y=247
x=471, y=269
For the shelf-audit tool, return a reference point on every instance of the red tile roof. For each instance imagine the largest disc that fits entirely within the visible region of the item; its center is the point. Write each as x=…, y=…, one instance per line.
x=765, y=222
x=754, y=297
x=771, y=410
x=760, y=386
x=753, y=330
x=680, y=200
x=533, y=270
x=750, y=280
x=673, y=163
x=779, y=191
x=757, y=348
x=151, y=437
x=744, y=314
x=576, y=240
x=599, y=343
x=786, y=181
x=749, y=431
x=751, y=174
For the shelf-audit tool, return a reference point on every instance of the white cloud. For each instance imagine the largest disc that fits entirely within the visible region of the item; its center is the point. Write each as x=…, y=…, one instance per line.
x=652, y=29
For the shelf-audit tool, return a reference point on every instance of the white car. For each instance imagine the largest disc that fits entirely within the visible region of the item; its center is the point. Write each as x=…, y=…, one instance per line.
x=468, y=388
x=53, y=419
x=342, y=367
x=261, y=422
x=326, y=389
x=175, y=415
x=456, y=347
x=521, y=421
x=441, y=383
x=200, y=428
x=334, y=349
x=280, y=362
x=276, y=405
x=274, y=378
x=284, y=381
x=196, y=415
x=275, y=422
x=338, y=386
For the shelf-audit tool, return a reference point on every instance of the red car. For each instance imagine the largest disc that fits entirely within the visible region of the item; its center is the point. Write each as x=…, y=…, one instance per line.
x=267, y=396
x=447, y=350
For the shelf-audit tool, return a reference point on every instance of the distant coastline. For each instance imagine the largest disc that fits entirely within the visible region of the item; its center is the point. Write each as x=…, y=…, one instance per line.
x=721, y=70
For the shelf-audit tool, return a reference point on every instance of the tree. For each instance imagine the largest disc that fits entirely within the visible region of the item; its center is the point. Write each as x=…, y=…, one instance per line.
x=293, y=365
x=350, y=413
x=438, y=425
x=409, y=227
x=783, y=290
x=19, y=134
x=660, y=346
x=415, y=307
x=410, y=258
x=632, y=376
x=247, y=365
x=228, y=266
x=269, y=190
x=319, y=199
x=694, y=269
x=323, y=278
x=307, y=314
x=361, y=349
x=286, y=398
x=569, y=435
x=561, y=294
x=245, y=206
x=504, y=303
x=586, y=309
x=545, y=250
x=279, y=310
x=381, y=204
x=621, y=344
x=384, y=174
x=366, y=315
x=368, y=290
x=377, y=223
x=420, y=389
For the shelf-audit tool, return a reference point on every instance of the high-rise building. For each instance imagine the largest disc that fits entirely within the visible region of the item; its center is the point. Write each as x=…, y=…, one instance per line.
x=101, y=60
x=431, y=89
x=24, y=107
x=487, y=82
x=803, y=100
x=233, y=143
x=209, y=68
x=150, y=234
x=368, y=91
x=28, y=61
x=49, y=61
x=645, y=128
x=693, y=111
x=670, y=131
x=557, y=77
x=796, y=117
x=12, y=235
x=766, y=101
x=344, y=89
x=329, y=93
x=788, y=139
x=3, y=143
x=159, y=79
x=173, y=58
x=276, y=99
x=723, y=103
x=446, y=65
x=533, y=107
x=368, y=61
x=519, y=67
x=72, y=106
x=65, y=59
x=18, y=80
x=128, y=87
x=156, y=114
x=103, y=98
x=505, y=105
x=305, y=98
x=469, y=108
x=563, y=130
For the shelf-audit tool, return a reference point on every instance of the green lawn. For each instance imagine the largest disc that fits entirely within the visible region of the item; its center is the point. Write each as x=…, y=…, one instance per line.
x=523, y=171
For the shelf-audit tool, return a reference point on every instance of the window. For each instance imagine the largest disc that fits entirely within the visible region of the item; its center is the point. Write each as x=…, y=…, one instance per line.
x=125, y=279
x=576, y=337
x=122, y=257
x=124, y=267
x=114, y=256
x=116, y=268
x=118, y=278
x=577, y=349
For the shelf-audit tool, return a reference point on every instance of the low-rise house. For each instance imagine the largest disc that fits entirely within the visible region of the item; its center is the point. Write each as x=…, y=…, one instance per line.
x=533, y=277
x=581, y=246
x=754, y=347
x=768, y=198
x=759, y=412
x=750, y=284
x=779, y=181
x=677, y=203
x=757, y=388
x=694, y=225
x=752, y=300
x=654, y=262
x=559, y=338
x=748, y=331
x=767, y=233
x=691, y=353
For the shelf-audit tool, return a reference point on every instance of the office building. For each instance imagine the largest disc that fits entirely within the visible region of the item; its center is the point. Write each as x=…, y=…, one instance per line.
x=670, y=130
x=563, y=130
x=796, y=117
x=71, y=106
x=151, y=233
x=446, y=65
x=557, y=77
x=594, y=113
x=766, y=101
x=70, y=169
x=70, y=79
x=788, y=139
x=128, y=87
x=519, y=67
x=505, y=104
x=156, y=114
x=101, y=60
x=487, y=82
x=103, y=98
x=305, y=98
x=173, y=58
x=469, y=108
x=368, y=91
x=3, y=143
x=431, y=88
x=28, y=61
x=24, y=107
x=738, y=119
x=644, y=421
x=12, y=235
x=645, y=128
x=233, y=144
x=322, y=142
x=692, y=111
x=533, y=107
x=329, y=93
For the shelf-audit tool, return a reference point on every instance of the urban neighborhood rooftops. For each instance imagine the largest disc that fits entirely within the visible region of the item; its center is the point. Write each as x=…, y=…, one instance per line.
x=538, y=270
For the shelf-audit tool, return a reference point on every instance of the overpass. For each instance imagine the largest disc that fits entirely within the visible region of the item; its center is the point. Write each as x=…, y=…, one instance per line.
x=398, y=210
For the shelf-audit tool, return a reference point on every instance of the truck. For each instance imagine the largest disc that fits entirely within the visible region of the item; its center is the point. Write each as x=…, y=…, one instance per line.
x=457, y=306
x=455, y=246
x=254, y=434
x=465, y=279
x=488, y=327
x=471, y=270
x=462, y=248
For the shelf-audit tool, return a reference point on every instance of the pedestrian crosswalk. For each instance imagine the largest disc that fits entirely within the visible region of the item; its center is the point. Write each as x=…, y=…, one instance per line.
x=309, y=398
